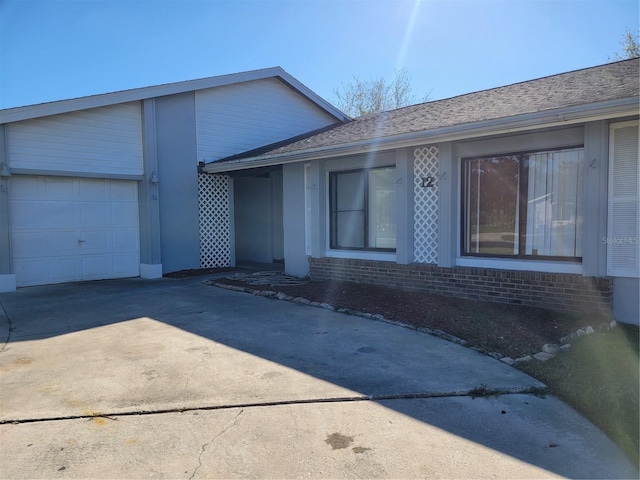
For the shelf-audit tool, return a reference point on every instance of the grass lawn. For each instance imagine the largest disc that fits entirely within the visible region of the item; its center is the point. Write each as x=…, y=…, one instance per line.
x=599, y=378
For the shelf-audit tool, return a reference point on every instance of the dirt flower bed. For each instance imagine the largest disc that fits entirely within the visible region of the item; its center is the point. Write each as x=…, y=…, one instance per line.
x=513, y=331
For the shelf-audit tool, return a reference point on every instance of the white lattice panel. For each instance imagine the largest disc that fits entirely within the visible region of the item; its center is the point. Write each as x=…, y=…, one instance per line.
x=425, y=215
x=215, y=221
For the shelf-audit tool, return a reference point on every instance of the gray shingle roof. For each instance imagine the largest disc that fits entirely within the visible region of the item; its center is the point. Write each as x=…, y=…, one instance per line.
x=608, y=82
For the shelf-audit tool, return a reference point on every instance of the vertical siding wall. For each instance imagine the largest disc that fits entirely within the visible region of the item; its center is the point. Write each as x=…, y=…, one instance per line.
x=105, y=140
x=178, y=187
x=562, y=292
x=240, y=117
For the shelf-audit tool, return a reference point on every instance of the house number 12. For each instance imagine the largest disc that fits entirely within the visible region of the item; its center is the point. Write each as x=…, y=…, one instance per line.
x=427, y=182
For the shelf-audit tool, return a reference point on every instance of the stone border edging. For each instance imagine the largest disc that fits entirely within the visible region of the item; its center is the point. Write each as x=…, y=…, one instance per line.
x=548, y=351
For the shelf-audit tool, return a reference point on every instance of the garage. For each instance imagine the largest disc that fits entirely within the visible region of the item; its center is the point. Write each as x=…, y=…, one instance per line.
x=66, y=229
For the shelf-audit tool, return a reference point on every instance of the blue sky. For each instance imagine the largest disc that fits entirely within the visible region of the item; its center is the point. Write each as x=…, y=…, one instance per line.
x=58, y=49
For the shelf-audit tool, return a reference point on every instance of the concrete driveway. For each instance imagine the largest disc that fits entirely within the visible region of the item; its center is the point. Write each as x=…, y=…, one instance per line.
x=176, y=379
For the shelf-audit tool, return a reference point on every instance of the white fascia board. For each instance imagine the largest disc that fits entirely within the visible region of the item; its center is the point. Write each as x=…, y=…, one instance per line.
x=65, y=106
x=550, y=118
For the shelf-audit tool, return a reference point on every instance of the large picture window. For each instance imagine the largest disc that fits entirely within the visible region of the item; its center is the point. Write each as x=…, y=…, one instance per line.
x=524, y=205
x=362, y=207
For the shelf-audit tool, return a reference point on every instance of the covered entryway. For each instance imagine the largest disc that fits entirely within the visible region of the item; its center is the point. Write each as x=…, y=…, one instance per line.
x=258, y=220
x=66, y=229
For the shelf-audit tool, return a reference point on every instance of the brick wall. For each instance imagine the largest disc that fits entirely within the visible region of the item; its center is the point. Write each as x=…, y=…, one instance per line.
x=565, y=292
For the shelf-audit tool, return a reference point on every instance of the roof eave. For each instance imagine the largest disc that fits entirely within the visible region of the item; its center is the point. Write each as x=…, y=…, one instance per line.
x=549, y=118
x=101, y=100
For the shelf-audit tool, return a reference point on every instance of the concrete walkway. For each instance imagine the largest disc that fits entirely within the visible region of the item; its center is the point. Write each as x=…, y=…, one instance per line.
x=176, y=379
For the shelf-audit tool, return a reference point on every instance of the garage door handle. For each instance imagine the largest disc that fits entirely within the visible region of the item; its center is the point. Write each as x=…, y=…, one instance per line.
x=81, y=241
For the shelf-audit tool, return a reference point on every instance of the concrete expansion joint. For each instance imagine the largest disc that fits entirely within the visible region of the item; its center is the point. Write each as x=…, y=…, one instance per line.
x=477, y=391
x=204, y=446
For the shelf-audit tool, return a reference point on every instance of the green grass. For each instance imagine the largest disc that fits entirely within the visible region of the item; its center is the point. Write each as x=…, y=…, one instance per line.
x=599, y=378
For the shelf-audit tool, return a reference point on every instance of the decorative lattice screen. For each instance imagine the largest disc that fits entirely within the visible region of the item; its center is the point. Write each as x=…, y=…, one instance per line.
x=425, y=215
x=214, y=219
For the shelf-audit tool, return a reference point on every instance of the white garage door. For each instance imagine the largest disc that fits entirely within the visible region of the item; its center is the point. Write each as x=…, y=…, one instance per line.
x=70, y=229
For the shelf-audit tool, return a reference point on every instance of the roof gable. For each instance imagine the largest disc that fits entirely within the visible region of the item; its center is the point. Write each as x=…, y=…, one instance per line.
x=136, y=94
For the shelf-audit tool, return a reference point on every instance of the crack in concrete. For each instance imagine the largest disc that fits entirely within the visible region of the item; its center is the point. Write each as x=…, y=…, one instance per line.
x=10, y=329
x=474, y=392
x=204, y=446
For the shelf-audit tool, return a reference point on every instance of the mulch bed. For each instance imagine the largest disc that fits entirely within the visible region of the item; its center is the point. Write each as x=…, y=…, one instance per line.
x=511, y=330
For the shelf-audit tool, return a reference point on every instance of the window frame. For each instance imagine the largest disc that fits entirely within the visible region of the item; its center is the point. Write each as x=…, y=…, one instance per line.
x=522, y=207
x=333, y=218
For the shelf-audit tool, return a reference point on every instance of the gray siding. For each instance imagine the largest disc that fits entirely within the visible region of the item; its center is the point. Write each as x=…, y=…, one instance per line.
x=626, y=306
x=178, y=187
x=235, y=118
x=105, y=140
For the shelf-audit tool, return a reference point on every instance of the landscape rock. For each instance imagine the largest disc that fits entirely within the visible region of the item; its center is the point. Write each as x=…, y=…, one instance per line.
x=301, y=300
x=508, y=360
x=580, y=332
x=281, y=296
x=565, y=348
x=542, y=356
x=326, y=306
x=525, y=359
x=495, y=355
x=589, y=330
x=551, y=348
x=450, y=338
x=612, y=324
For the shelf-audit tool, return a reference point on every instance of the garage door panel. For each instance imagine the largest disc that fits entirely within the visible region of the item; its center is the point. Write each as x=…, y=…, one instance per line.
x=70, y=229
x=27, y=244
x=94, y=190
x=57, y=214
x=63, y=269
x=124, y=214
x=125, y=239
x=31, y=188
x=94, y=214
x=96, y=241
x=31, y=272
x=60, y=188
x=124, y=192
x=62, y=243
x=94, y=267
x=125, y=265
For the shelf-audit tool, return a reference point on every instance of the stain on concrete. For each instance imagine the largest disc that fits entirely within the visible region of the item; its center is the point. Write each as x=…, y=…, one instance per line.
x=360, y=449
x=150, y=374
x=338, y=441
x=18, y=362
x=366, y=350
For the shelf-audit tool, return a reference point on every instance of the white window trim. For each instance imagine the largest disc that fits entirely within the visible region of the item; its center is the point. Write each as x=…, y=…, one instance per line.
x=542, y=266
x=516, y=264
x=356, y=254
